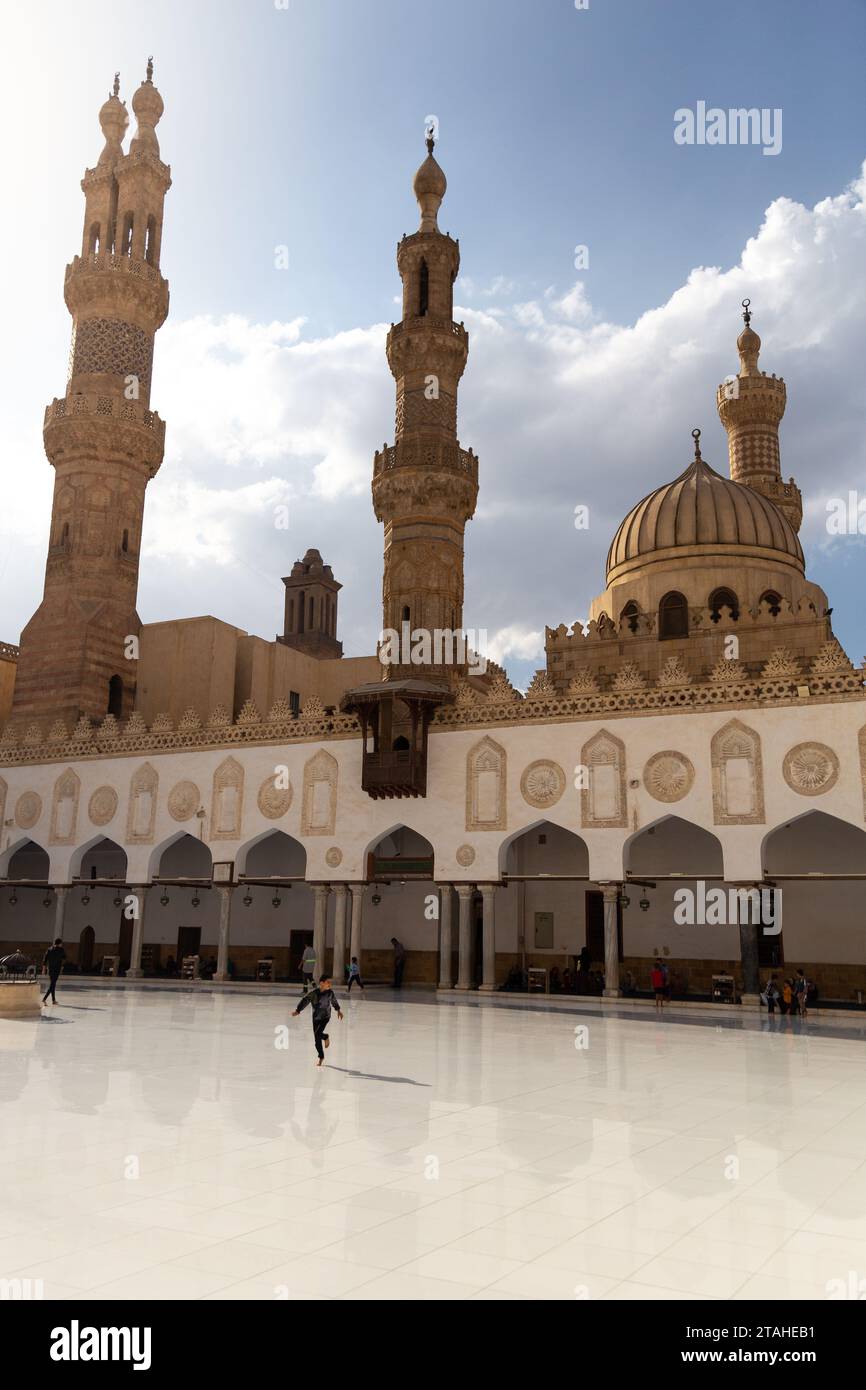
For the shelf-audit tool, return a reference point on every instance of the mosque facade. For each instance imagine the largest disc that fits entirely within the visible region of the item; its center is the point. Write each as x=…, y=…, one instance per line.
x=184, y=790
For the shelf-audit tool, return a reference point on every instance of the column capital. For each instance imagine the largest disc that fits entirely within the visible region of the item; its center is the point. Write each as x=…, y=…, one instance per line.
x=358, y=889
x=611, y=891
x=321, y=890
x=465, y=890
x=487, y=888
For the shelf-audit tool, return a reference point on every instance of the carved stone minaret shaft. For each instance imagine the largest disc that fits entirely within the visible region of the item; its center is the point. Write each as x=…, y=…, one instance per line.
x=425, y=486
x=751, y=406
x=102, y=438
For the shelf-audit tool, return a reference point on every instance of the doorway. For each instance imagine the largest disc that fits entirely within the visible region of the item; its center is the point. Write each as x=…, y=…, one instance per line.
x=477, y=964
x=124, y=942
x=594, y=900
x=188, y=943
x=85, y=949
x=298, y=942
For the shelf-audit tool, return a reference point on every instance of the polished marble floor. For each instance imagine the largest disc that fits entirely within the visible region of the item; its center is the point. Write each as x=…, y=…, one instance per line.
x=165, y=1144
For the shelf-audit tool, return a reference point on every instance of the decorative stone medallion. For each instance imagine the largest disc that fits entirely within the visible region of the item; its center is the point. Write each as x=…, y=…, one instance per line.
x=28, y=809
x=102, y=806
x=668, y=776
x=465, y=856
x=334, y=857
x=184, y=800
x=542, y=783
x=274, y=801
x=810, y=768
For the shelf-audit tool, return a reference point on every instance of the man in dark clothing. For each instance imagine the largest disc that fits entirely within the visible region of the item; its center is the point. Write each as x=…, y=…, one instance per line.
x=323, y=999
x=399, y=961
x=53, y=963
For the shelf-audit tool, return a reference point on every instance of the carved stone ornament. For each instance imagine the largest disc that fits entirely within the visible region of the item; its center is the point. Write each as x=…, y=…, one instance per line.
x=102, y=806
x=274, y=801
x=28, y=809
x=810, y=768
x=334, y=857
x=465, y=856
x=542, y=783
x=669, y=776
x=184, y=800
x=486, y=767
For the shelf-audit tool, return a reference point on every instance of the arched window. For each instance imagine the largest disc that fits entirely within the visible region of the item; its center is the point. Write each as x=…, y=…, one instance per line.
x=93, y=240
x=124, y=543
x=310, y=612
x=423, y=289
x=126, y=239
x=723, y=598
x=150, y=241
x=115, y=696
x=400, y=745
x=406, y=617
x=291, y=620
x=774, y=600
x=630, y=615
x=302, y=609
x=673, y=616
x=64, y=534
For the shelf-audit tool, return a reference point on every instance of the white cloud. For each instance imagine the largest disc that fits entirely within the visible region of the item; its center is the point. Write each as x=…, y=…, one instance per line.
x=562, y=408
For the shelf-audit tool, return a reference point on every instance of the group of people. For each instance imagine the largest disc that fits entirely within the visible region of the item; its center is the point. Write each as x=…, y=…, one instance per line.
x=793, y=996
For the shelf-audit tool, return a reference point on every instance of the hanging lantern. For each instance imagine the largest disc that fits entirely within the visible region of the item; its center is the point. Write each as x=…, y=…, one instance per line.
x=248, y=899
x=644, y=903
x=13, y=899
x=195, y=900
x=164, y=899
x=276, y=900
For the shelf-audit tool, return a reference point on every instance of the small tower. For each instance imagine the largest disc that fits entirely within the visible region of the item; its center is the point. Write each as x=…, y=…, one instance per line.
x=102, y=437
x=311, y=608
x=751, y=406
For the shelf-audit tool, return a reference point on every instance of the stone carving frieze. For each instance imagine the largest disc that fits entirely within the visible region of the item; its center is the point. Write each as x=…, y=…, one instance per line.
x=738, y=775
x=669, y=776
x=810, y=768
x=486, y=788
x=542, y=783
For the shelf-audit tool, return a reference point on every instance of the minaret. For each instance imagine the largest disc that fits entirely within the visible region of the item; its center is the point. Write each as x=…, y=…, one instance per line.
x=425, y=486
x=104, y=441
x=311, y=608
x=751, y=406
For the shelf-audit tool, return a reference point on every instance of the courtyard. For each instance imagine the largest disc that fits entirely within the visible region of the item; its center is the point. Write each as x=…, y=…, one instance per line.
x=172, y=1143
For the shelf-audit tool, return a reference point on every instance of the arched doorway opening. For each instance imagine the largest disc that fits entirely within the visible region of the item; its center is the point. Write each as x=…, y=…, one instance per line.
x=97, y=898
x=86, y=943
x=272, y=909
x=182, y=917
x=816, y=865
x=401, y=903
x=26, y=901
x=677, y=909
x=547, y=915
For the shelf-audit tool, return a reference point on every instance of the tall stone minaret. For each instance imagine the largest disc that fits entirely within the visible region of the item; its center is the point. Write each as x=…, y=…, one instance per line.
x=104, y=441
x=425, y=486
x=751, y=406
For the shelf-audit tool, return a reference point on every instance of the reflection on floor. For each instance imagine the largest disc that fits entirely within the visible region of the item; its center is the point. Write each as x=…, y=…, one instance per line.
x=167, y=1145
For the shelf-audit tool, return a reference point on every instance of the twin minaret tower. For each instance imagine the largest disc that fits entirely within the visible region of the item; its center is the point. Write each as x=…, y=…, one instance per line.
x=79, y=650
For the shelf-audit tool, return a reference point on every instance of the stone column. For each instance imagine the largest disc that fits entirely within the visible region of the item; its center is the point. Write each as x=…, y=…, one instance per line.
x=357, y=891
x=749, y=961
x=338, y=965
x=139, y=891
x=611, y=941
x=225, y=892
x=61, y=895
x=488, y=967
x=465, y=892
x=446, y=899
x=320, y=923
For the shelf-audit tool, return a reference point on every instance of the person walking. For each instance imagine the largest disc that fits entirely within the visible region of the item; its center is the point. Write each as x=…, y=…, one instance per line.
x=399, y=961
x=354, y=976
x=321, y=999
x=308, y=967
x=787, y=1004
x=801, y=990
x=657, y=979
x=772, y=994
x=52, y=961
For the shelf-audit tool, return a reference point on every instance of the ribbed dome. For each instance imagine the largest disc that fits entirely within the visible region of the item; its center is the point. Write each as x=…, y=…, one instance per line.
x=700, y=507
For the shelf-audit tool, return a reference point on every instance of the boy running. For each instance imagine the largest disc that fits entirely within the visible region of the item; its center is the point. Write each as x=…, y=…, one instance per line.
x=355, y=976
x=323, y=999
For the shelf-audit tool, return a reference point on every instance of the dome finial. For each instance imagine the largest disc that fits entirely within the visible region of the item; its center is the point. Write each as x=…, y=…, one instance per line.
x=747, y=317
x=150, y=68
x=696, y=436
x=115, y=91
x=430, y=183
x=748, y=344
x=431, y=137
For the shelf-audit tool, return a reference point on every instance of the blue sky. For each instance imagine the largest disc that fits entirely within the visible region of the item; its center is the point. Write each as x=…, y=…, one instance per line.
x=302, y=126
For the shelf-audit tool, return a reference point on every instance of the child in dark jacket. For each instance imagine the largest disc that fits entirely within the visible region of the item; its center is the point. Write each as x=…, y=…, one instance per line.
x=322, y=999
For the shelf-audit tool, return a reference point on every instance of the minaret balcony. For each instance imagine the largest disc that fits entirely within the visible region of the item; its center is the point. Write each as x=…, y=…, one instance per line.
x=76, y=424
x=430, y=454
x=111, y=280
x=423, y=333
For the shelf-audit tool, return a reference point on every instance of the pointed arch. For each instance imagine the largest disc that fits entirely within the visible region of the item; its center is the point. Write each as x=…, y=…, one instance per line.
x=814, y=842
x=227, y=801
x=64, y=808
x=31, y=849
x=603, y=803
x=286, y=846
x=486, y=786
x=319, y=802
x=570, y=849
x=179, y=846
x=738, y=775
x=672, y=845
x=78, y=863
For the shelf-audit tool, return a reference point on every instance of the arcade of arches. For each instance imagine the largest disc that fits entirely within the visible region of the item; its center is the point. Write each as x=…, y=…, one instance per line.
x=543, y=912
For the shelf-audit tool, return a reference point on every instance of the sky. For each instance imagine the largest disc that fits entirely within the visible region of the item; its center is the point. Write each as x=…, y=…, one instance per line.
x=299, y=125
